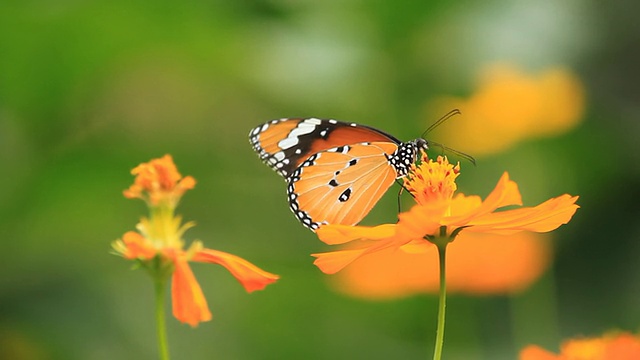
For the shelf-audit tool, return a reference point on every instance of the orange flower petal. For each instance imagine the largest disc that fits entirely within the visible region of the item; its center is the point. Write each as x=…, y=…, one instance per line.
x=623, y=347
x=340, y=234
x=509, y=106
x=476, y=264
x=187, y=183
x=421, y=220
x=390, y=274
x=332, y=262
x=159, y=180
x=587, y=349
x=134, y=191
x=158, y=173
x=189, y=303
x=481, y=263
x=504, y=194
x=462, y=204
x=533, y=352
x=542, y=218
x=138, y=247
x=417, y=246
x=563, y=96
x=250, y=276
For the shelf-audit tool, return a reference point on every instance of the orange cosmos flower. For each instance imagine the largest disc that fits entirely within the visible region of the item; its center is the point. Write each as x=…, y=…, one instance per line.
x=441, y=216
x=159, y=246
x=509, y=106
x=622, y=346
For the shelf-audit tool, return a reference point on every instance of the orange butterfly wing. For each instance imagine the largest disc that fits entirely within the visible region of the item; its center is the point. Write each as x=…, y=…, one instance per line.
x=285, y=144
x=341, y=185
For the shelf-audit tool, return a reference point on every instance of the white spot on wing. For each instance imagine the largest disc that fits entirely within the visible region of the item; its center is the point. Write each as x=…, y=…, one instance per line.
x=288, y=142
x=303, y=128
x=313, y=121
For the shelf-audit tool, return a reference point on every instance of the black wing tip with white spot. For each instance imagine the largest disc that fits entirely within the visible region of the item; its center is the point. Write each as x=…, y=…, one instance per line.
x=278, y=161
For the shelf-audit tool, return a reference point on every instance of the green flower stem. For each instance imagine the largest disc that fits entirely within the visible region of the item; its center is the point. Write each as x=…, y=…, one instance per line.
x=163, y=345
x=442, y=250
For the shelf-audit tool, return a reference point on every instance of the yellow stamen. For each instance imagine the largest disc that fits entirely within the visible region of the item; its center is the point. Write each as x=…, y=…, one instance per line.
x=432, y=180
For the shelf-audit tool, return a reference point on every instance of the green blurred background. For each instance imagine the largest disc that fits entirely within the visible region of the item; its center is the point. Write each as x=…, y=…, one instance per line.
x=88, y=90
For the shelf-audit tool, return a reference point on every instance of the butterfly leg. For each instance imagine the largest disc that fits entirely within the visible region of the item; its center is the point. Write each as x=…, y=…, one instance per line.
x=402, y=188
x=400, y=199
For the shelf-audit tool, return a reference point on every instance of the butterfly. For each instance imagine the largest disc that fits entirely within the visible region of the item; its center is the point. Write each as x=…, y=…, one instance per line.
x=336, y=171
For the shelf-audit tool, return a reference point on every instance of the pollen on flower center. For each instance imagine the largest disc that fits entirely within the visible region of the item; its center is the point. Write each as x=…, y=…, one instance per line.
x=432, y=180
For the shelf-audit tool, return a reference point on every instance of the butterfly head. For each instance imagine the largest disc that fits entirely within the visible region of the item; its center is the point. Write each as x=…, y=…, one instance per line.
x=421, y=144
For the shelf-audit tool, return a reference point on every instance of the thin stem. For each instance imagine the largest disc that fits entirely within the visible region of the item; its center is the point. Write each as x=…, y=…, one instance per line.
x=437, y=354
x=163, y=345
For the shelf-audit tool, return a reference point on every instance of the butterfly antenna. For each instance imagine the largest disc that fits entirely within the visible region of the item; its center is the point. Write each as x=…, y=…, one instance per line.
x=440, y=121
x=455, y=152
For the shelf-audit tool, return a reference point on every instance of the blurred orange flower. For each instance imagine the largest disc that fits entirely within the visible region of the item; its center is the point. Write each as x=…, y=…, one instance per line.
x=160, y=248
x=159, y=181
x=477, y=263
x=510, y=106
x=622, y=346
x=441, y=216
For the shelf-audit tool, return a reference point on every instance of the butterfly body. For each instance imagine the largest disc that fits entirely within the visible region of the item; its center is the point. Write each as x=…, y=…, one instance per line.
x=336, y=171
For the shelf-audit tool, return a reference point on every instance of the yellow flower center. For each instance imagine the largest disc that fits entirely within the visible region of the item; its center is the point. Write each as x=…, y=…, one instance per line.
x=431, y=181
x=163, y=229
